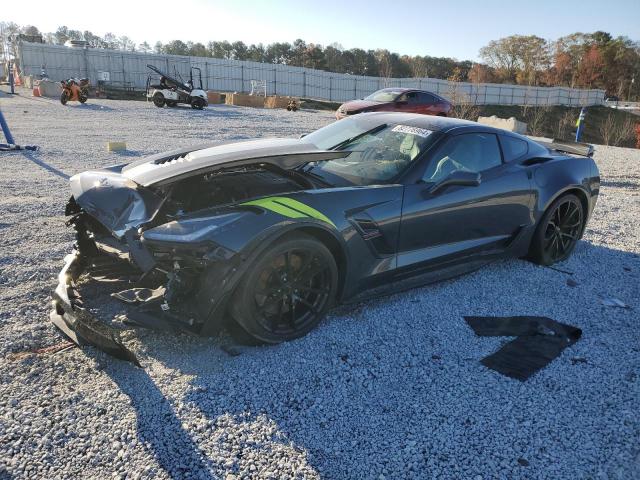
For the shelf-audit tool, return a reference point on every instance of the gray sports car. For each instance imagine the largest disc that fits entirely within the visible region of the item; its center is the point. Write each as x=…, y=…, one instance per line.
x=266, y=235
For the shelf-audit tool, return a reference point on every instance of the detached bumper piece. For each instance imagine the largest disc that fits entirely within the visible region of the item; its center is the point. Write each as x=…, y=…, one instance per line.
x=539, y=340
x=75, y=322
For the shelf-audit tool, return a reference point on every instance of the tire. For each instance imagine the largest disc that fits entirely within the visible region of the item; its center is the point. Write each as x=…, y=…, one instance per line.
x=158, y=100
x=558, y=232
x=197, y=103
x=287, y=291
x=82, y=98
x=64, y=98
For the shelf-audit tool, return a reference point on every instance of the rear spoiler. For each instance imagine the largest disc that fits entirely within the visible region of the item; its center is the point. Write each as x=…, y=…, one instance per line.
x=567, y=146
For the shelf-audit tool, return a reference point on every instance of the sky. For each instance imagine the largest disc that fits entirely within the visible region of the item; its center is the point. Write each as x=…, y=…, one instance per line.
x=457, y=28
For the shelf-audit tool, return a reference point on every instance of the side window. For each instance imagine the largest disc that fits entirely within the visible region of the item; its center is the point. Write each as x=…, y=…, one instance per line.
x=426, y=98
x=513, y=148
x=470, y=152
x=412, y=97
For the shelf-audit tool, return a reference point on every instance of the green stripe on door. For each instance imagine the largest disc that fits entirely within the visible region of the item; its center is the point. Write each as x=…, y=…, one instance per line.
x=289, y=207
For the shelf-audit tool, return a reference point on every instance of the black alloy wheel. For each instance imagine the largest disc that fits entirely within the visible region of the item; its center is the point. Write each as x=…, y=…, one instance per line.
x=559, y=231
x=288, y=291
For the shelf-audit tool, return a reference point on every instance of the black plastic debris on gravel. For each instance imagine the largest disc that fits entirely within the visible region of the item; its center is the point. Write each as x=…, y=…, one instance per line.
x=539, y=340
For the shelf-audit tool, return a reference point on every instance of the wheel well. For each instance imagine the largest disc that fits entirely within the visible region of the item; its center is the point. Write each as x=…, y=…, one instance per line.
x=334, y=247
x=583, y=199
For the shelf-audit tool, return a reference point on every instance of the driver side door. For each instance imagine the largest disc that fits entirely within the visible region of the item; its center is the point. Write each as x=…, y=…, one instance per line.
x=459, y=221
x=407, y=103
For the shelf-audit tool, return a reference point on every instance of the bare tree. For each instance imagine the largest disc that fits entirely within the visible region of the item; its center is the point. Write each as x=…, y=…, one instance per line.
x=464, y=105
x=616, y=131
x=564, y=125
x=419, y=67
x=385, y=66
x=536, y=118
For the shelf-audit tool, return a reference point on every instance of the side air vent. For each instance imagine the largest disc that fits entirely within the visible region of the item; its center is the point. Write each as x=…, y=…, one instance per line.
x=371, y=233
x=369, y=229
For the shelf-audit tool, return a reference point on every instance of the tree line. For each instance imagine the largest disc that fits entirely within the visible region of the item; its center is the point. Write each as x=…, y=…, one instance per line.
x=579, y=60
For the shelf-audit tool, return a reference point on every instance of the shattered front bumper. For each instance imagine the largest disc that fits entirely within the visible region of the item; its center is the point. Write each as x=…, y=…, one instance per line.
x=75, y=321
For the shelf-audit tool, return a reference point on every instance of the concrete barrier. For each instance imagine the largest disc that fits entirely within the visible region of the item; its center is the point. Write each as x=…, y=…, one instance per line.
x=278, y=101
x=49, y=88
x=510, y=124
x=215, y=97
x=244, y=100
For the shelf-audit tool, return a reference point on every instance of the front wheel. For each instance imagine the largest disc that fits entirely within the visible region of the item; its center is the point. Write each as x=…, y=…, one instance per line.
x=64, y=98
x=287, y=291
x=158, y=100
x=558, y=231
x=197, y=103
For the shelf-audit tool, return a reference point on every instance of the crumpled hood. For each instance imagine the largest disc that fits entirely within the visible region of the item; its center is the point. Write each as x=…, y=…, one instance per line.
x=285, y=153
x=118, y=197
x=115, y=201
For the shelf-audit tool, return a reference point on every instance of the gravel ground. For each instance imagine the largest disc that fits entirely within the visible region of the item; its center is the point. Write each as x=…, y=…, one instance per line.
x=388, y=389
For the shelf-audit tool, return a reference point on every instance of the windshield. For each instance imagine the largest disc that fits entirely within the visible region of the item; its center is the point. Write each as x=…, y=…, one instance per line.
x=384, y=95
x=379, y=152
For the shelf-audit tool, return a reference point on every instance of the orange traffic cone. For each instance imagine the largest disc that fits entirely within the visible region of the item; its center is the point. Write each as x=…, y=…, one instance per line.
x=16, y=76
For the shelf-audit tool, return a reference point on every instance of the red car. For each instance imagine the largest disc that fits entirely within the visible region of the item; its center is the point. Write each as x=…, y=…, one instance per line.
x=407, y=100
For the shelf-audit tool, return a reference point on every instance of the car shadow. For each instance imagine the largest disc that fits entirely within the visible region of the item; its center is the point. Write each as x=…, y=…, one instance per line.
x=347, y=386
x=4, y=475
x=158, y=427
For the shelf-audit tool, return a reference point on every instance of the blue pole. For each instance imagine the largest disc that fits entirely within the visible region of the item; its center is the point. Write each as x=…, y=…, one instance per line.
x=5, y=130
x=11, y=79
x=580, y=123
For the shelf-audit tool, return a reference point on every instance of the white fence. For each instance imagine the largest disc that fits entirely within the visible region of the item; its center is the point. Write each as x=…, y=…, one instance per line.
x=129, y=69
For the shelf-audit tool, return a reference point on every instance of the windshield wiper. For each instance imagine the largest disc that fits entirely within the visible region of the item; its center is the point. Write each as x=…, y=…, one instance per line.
x=356, y=137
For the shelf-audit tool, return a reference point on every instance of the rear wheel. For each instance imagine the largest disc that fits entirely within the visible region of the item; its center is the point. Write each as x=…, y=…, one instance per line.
x=64, y=98
x=287, y=291
x=83, y=98
x=158, y=100
x=558, y=231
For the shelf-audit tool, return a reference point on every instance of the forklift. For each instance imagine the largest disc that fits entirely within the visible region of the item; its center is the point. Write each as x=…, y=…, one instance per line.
x=171, y=91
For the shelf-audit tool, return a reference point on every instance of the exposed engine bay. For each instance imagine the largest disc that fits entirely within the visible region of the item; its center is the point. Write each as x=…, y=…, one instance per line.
x=229, y=187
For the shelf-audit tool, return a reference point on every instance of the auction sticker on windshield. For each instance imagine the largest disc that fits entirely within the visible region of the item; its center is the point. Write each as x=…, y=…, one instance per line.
x=421, y=132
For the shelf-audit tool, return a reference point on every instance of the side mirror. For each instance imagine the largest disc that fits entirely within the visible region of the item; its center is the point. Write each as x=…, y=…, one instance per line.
x=457, y=177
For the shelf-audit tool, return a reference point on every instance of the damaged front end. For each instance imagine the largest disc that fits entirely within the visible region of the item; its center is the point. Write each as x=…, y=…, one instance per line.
x=176, y=228
x=177, y=277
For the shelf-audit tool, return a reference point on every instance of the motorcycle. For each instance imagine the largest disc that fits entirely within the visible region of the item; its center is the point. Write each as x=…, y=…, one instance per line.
x=75, y=90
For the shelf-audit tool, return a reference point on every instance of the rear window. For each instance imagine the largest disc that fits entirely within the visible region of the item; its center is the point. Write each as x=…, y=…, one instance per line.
x=513, y=148
x=426, y=98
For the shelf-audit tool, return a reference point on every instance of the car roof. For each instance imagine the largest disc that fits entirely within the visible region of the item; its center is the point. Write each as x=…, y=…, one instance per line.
x=436, y=123
x=405, y=90
x=430, y=122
